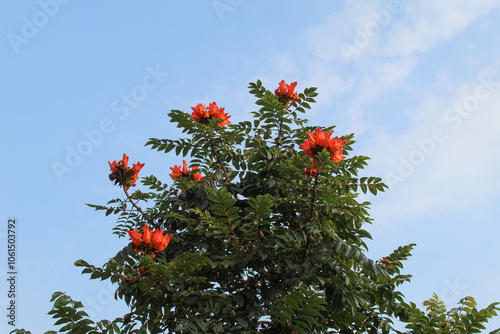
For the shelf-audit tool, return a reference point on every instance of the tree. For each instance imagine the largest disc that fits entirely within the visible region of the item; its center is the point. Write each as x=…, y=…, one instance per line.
x=262, y=232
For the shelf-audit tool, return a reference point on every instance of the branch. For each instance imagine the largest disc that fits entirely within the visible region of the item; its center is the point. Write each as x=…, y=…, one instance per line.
x=134, y=204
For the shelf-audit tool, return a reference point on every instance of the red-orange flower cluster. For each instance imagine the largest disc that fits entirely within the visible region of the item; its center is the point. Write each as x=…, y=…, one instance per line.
x=202, y=114
x=285, y=93
x=318, y=140
x=311, y=171
x=178, y=172
x=385, y=262
x=149, y=243
x=123, y=175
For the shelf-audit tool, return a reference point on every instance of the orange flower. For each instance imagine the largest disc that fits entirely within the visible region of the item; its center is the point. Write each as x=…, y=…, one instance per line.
x=160, y=241
x=115, y=165
x=177, y=172
x=123, y=175
x=149, y=243
x=136, y=168
x=136, y=237
x=385, y=262
x=146, y=236
x=285, y=93
x=202, y=114
x=318, y=140
x=311, y=171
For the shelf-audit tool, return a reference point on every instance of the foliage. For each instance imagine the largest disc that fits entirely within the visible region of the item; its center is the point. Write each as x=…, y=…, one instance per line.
x=267, y=241
x=465, y=318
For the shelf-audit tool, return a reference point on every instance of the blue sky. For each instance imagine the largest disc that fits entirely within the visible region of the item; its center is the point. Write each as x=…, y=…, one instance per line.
x=82, y=83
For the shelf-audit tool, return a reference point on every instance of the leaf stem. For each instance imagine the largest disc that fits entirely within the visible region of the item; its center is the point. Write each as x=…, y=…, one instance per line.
x=134, y=204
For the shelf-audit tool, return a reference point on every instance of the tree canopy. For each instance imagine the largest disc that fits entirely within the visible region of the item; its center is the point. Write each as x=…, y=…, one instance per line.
x=263, y=231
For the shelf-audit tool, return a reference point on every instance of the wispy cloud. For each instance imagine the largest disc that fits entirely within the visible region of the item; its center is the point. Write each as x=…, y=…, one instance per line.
x=385, y=65
x=436, y=173
x=381, y=78
x=425, y=23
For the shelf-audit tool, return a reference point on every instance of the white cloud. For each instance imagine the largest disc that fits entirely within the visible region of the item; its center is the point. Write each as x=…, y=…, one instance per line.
x=284, y=63
x=391, y=73
x=330, y=83
x=340, y=28
x=412, y=29
x=402, y=30
x=385, y=65
x=382, y=77
x=425, y=23
x=453, y=173
x=392, y=28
